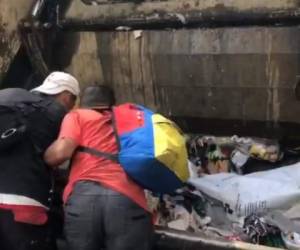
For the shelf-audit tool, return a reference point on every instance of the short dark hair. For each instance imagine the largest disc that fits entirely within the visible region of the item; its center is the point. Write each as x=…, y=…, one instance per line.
x=97, y=95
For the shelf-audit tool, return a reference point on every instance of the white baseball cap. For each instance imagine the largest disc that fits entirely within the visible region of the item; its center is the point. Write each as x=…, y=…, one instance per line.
x=58, y=82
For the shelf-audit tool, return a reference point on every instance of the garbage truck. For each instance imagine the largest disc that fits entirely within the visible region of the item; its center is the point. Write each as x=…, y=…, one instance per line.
x=217, y=67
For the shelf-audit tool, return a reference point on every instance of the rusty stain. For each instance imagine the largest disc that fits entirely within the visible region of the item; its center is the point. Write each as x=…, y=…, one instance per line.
x=186, y=6
x=273, y=74
x=219, y=7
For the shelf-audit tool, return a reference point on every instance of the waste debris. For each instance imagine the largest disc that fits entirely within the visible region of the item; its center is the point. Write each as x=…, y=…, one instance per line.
x=223, y=154
x=241, y=189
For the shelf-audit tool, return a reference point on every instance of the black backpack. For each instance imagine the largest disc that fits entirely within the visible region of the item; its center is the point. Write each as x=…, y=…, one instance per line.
x=16, y=106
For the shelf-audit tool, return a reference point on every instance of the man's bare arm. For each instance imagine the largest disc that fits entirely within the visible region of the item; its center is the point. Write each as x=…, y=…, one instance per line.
x=60, y=151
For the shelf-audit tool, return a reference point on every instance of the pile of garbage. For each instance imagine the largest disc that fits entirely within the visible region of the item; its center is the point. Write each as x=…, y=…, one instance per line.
x=244, y=189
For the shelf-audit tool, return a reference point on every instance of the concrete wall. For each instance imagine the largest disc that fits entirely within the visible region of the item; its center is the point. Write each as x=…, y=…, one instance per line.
x=242, y=74
x=154, y=9
x=11, y=11
x=245, y=74
x=226, y=73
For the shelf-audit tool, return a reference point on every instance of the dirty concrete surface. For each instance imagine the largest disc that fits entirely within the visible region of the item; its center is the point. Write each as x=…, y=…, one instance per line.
x=11, y=12
x=246, y=74
x=243, y=74
x=155, y=9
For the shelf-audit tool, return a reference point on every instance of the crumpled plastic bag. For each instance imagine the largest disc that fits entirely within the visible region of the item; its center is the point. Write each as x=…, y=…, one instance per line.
x=259, y=192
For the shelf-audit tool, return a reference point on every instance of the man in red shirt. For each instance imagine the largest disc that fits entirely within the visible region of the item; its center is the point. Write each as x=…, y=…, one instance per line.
x=103, y=206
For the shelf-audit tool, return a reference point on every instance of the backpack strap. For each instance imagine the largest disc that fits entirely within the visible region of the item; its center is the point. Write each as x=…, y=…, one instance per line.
x=95, y=152
x=101, y=154
x=114, y=125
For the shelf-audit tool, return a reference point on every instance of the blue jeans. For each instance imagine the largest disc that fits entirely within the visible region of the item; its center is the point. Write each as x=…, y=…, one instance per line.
x=100, y=218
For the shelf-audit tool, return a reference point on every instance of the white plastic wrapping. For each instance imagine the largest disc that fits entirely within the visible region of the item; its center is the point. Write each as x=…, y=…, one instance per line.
x=259, y=192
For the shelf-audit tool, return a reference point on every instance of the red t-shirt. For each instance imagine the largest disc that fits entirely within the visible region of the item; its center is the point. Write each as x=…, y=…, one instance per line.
x=94, y=129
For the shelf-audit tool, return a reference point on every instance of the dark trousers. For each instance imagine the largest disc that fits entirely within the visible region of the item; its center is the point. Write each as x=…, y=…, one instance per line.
x=21, y=236
x=100, y=218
